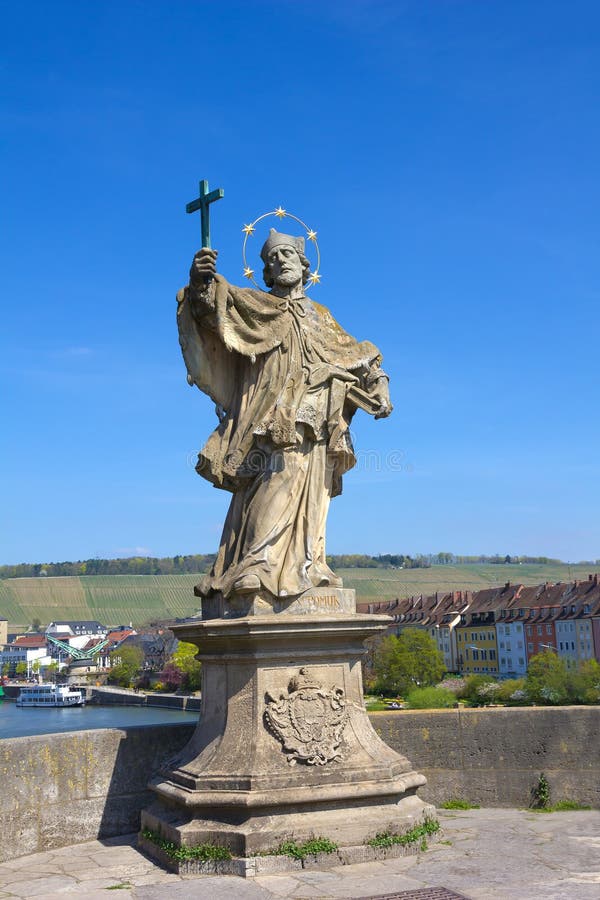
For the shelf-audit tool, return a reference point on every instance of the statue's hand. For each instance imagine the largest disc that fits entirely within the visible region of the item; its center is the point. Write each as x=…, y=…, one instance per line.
x=204, y=267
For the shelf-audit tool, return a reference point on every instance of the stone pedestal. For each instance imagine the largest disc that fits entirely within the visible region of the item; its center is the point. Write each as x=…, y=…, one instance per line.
x=284, y=748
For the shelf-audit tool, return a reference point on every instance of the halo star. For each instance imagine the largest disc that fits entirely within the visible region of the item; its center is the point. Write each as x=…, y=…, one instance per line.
x=311, y=235
x=315, y=278
x=280, y=212
x=248, y=272
x=248, y=229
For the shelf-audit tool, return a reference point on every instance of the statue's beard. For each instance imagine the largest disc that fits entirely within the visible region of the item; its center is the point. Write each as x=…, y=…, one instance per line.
x=288, y=279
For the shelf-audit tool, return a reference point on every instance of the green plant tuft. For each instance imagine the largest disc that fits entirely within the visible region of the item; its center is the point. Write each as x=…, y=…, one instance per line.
x=202, y=852
x=419, y=833
x=301, y=851
x=540, y=795
x=456, y=803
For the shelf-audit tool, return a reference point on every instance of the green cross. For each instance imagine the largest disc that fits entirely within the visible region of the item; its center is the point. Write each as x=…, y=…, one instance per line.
x=202, y=203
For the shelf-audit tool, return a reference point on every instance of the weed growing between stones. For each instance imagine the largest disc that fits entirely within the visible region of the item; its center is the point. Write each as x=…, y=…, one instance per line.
x=540, y=795
x=301, y=851
x=418, y=833
x=457, y=803
x=203, y=852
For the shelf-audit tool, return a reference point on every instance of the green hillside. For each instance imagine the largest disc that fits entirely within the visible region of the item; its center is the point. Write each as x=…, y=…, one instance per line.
x=372, y=585
x=120, y=599
x=112, y=599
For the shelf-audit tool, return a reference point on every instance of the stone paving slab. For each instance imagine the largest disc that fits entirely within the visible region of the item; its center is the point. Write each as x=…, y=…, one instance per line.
x=488, y=854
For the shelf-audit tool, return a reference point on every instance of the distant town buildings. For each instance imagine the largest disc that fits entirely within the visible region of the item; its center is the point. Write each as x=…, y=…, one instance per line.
x=496, y=631
x=31, y=653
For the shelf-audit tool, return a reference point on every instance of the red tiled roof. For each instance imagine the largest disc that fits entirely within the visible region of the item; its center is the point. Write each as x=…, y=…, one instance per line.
x=115, y=637
x=31, y=640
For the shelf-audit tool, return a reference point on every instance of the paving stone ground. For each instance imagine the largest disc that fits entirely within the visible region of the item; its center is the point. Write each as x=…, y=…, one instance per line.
x=487, y=854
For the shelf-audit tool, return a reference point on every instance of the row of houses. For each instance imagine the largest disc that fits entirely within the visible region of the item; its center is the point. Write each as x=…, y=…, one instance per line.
x=496, y=631
x=36, y=651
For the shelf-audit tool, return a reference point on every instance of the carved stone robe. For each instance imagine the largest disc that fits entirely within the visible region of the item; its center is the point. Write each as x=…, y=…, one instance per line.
x=278, y=371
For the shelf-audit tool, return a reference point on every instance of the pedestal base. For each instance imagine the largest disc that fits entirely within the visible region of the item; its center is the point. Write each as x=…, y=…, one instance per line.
x=284, y=748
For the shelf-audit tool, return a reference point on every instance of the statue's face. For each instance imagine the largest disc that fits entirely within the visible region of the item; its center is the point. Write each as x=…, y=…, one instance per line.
x=284, y=265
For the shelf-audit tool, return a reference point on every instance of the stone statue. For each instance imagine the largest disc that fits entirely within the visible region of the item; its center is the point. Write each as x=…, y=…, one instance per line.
x=284, y=748
x=286, y=380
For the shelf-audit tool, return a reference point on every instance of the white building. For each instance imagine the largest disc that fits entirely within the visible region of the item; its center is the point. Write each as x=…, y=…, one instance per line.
x=566, y=639
x=512, y=658
x=13, y=654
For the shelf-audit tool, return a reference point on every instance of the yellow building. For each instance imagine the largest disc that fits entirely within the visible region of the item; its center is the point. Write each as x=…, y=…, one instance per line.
x=477, y=647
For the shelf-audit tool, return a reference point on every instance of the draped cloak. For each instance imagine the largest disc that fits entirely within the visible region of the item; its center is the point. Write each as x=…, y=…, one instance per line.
x=278, y=371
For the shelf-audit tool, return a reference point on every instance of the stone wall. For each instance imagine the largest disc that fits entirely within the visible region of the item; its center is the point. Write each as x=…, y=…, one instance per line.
x=61, y=789
x=66, y=788
x=494, y=756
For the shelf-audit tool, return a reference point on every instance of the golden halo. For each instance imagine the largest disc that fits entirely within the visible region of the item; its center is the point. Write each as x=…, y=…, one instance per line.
x=314, y=277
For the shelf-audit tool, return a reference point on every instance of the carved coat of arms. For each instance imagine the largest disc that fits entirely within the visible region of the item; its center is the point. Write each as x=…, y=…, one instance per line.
x=309, y=720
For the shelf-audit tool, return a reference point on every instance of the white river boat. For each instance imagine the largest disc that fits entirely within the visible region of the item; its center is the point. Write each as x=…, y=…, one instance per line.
x=50, y=695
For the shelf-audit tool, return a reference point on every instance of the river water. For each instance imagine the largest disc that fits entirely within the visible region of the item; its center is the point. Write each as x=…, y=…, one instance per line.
x=17, y=721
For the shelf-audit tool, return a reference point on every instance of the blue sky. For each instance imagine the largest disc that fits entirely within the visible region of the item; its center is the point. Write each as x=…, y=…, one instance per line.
x=446, y=151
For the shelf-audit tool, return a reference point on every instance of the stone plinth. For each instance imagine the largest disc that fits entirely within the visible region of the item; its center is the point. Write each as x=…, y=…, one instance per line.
x=284, y=748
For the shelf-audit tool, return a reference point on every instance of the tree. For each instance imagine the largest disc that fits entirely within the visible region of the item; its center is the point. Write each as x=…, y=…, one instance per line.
x=51, y=670
x=409, y=661
x=547, y=678
x=36, y=625
x=21, y=669
x=584, y=684
x=172, y=677
x=125, y=663
x=184, y=658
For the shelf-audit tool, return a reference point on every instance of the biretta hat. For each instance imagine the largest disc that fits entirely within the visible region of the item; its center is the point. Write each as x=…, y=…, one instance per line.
x=277, y=239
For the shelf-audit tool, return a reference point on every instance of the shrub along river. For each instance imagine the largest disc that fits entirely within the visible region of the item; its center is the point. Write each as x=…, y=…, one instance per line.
x=18, y=721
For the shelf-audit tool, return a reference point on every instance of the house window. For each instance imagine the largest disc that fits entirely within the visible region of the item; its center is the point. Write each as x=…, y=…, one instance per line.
x=521, y=661
x=548, y=629
x=539, y=629
x=492, y=654
x=530, y=648
x=529, y=629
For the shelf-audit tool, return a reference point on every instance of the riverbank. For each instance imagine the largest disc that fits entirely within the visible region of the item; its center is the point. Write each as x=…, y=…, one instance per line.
x=106, y=695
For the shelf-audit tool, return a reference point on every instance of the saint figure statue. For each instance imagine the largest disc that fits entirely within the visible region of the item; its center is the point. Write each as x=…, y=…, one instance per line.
x=286, y=380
